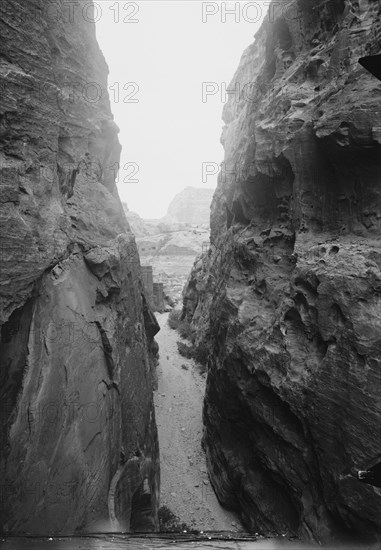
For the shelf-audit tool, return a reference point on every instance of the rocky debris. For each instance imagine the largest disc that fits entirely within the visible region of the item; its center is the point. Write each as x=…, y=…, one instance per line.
x=79, y=449
x=287, y=298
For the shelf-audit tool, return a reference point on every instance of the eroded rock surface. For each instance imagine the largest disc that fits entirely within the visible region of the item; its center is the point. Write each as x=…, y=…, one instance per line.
x=79, y=449
x=287, y=300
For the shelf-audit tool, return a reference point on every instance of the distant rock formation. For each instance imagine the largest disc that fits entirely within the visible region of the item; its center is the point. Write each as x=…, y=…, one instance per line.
x=171, y=245
x=287, y=299
x=191, y=206
x=79, y=449
x=139, y=227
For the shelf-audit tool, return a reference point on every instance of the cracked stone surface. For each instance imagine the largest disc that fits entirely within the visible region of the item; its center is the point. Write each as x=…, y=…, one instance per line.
x=79, y=449
x=287, y=300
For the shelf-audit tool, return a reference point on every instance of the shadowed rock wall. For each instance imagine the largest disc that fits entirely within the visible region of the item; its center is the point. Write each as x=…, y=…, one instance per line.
x=147, y=277
x=79, y=449
x=287, y=300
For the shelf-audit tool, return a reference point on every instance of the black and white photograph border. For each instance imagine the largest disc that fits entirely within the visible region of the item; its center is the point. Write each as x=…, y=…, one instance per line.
x=190, y=281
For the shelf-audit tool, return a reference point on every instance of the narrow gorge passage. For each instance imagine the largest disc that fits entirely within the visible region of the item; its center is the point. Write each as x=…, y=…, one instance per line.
x=185, y=487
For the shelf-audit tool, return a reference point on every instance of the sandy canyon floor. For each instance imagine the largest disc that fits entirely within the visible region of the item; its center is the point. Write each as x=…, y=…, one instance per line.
x=185, y=487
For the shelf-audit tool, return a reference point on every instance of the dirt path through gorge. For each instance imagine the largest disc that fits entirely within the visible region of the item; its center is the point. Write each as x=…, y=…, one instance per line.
x=185, y=487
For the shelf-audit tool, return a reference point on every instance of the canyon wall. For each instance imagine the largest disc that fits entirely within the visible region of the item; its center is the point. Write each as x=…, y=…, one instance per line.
x=287, y=300
x=79, y=448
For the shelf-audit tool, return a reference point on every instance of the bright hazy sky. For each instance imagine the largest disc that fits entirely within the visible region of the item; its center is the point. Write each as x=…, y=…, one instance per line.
x=167, y=54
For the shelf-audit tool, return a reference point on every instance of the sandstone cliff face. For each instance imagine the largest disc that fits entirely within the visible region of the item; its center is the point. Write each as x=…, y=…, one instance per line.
x=191, y=206
x=79, y=448
x=287, y=300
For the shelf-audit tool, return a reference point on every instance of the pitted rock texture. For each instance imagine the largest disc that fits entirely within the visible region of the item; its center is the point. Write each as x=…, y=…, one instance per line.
x=79, y=449
x=287, y=300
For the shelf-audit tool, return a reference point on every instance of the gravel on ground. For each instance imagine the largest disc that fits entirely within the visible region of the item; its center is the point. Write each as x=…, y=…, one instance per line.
x=185, y=486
